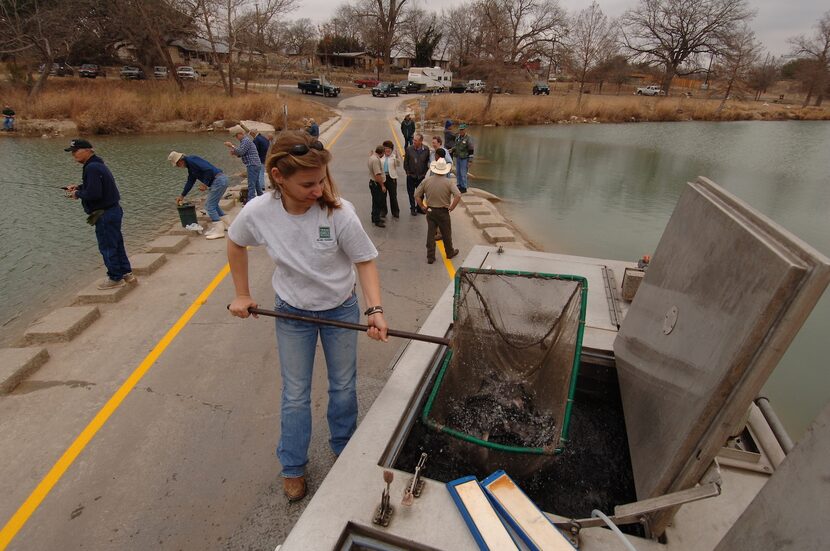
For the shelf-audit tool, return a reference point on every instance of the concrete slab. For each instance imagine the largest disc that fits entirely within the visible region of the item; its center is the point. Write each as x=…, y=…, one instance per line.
x=498, y=235
x=16, y=364
x=485, y=194
x=146, y=263
x=62, y=325
x=227, y=204
x=478, y=210
x=94, y=295
x=168, y=244
x=467, y=200
x=489, y=221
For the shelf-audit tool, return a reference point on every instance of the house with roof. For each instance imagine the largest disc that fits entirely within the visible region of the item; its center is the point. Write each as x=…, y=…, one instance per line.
x=403, y=59
x=353, y=60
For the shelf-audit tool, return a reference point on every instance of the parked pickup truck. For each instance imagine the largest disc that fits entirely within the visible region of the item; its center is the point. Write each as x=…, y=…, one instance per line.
x=318, y=86
x=366, y=82
x=651, y=90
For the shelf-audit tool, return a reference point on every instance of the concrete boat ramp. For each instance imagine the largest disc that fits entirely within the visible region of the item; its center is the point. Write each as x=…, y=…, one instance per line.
x=147, y=417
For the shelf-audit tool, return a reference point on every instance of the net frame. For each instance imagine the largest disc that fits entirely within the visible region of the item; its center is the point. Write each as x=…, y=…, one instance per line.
x=564, y=433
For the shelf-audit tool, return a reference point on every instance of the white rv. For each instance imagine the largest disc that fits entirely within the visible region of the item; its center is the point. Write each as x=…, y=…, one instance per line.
x=431, y=78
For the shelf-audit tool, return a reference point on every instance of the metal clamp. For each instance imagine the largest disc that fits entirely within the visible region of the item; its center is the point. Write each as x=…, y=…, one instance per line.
x=384, y=511
x=415, y=485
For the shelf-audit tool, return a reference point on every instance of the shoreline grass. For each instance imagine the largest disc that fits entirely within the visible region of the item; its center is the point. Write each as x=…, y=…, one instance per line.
x=113, y=107
x=531, y=110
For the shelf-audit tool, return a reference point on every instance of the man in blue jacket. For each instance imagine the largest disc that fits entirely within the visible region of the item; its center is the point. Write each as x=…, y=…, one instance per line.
x=210, y=179
x=262, y=144
x=100, y=198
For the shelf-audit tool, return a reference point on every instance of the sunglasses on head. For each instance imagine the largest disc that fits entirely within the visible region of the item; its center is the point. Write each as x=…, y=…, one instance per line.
x=301, y=148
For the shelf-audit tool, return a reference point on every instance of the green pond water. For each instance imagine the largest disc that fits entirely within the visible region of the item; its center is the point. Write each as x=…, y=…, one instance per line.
x=592, y=190
x=608, y=190
x=47, y=250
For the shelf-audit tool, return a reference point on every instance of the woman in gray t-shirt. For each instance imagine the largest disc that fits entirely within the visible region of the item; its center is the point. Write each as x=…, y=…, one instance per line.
x=316, y=240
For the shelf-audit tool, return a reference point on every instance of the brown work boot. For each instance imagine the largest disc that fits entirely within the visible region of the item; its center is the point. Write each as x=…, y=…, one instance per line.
x=294, y=488
x=453, y=253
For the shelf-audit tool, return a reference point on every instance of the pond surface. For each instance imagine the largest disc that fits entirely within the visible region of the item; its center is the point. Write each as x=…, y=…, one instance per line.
x=47, y=248
x=608, y=190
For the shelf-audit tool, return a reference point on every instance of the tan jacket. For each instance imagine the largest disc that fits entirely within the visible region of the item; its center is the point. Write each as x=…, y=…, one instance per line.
x=439, y=190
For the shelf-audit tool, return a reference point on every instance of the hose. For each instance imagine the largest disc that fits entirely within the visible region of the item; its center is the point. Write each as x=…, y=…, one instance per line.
x=613, y=527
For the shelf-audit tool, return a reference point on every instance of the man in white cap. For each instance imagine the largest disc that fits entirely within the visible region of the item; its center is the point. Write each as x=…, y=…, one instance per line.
x=247, y=152
x=210, y=178
x=442, y=196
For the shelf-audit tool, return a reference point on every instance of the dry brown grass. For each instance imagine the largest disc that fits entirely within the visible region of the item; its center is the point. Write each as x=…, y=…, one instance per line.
x=522, y=110
x=103, y=107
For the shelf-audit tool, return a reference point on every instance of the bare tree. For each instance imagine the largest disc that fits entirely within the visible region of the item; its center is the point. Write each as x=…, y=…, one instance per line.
x=460, y=26
x=764, y=75
x=816, y=49
x=591, y=41
x=529, y=25
x=385, y=16
x=673, y=33
x=158, y=20
x=40, y=29
x=740, y=53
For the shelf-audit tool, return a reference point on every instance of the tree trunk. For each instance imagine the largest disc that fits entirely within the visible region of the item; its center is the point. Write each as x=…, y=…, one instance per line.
x=41, y=80
x=230, y=50
x=668, y=76
x=489, y=101
x=213, y=48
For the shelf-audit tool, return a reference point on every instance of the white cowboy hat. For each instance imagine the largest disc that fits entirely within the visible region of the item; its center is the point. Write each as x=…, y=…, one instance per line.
x=175, y=157
x=238, y=129
x=441, y=166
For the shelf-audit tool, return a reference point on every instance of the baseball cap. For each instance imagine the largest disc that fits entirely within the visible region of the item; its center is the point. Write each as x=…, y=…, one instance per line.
x=462, y=126
x=77, y=144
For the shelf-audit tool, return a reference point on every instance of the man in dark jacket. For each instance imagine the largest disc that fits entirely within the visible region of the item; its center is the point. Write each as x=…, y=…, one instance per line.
x=416, y=165
x=100, y=198
x=213, y=181
x=262, y=144
x=408, y=130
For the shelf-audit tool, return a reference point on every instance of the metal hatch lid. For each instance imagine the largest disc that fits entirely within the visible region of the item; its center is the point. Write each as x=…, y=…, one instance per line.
x=723, y=297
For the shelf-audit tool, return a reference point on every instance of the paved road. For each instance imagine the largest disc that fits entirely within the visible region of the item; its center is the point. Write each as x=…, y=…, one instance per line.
x=187, y=460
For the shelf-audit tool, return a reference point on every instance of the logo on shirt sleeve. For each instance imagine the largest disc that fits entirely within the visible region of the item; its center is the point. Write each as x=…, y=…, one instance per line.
x=324, y=233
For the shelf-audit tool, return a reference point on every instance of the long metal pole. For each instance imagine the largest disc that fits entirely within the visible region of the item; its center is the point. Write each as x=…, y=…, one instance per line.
x=775, y=424
x=353, y=326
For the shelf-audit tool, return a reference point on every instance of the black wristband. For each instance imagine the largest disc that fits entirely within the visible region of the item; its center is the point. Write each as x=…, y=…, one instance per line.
x=373, y=310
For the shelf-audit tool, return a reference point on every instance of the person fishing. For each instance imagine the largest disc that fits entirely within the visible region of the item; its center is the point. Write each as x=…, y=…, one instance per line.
x=249, y=156
x=100, y=199
x=212, y=180
x=317, y=241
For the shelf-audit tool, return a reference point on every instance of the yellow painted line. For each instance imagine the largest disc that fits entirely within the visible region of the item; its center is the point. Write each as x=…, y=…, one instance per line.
x=342, y=129
x=21, y=516
x=29, y=506
x=438, y=244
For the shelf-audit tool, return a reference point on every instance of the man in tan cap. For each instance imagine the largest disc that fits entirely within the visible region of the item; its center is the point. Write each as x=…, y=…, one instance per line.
x=442, y=196
x=247, y=152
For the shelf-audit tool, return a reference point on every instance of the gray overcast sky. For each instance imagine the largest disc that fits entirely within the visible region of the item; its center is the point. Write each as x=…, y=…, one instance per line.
x=775, y=22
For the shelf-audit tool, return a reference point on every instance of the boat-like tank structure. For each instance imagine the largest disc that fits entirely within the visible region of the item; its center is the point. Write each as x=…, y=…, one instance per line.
x=665, y=436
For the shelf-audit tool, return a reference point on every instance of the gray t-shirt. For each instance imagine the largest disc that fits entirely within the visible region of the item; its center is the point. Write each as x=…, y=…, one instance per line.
x=315, y=253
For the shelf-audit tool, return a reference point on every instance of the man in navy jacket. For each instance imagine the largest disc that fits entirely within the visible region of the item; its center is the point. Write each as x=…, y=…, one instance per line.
x=100, y=199
x=262, y=144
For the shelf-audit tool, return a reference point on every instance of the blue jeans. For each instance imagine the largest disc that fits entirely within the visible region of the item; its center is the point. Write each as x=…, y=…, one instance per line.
x=253, y=181
x=214, y=195
x=8, y=123
x=461, y=172
x=261, y=182
x=296, y=344
x=111, y=243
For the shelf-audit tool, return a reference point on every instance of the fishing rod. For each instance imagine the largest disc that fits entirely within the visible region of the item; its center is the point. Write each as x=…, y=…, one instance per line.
x=32, y=184
x=347, y=325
